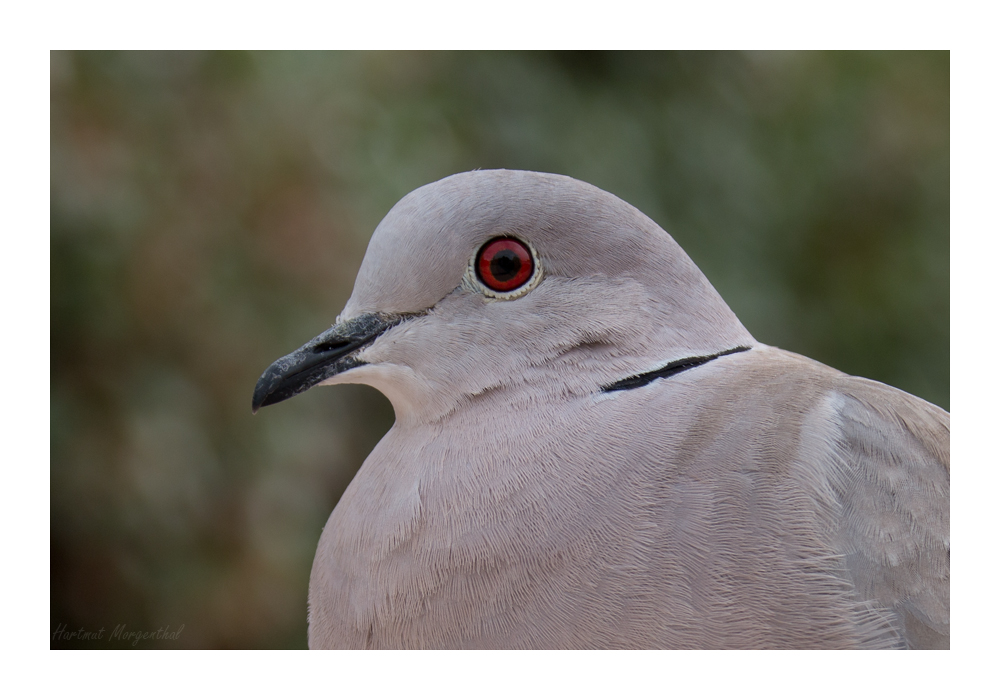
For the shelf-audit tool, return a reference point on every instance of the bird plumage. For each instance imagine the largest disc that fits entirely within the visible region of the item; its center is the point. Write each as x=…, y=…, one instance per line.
x=755, y=499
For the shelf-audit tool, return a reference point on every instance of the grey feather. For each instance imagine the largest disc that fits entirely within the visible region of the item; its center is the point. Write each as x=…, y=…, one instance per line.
x=755, y=499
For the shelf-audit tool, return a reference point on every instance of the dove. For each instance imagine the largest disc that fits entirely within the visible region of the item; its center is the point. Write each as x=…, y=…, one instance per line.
x=591, y=451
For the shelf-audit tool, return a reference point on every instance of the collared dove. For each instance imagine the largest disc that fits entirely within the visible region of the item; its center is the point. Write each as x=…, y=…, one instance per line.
x=591, y=451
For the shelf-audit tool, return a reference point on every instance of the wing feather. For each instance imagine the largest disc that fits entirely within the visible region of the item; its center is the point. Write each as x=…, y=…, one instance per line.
x=892, y=477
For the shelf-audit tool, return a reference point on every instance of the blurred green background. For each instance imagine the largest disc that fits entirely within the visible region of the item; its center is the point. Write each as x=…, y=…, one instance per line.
x=209, y=212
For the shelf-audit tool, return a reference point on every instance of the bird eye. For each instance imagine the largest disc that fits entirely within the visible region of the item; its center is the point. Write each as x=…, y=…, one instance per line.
x=504, y=264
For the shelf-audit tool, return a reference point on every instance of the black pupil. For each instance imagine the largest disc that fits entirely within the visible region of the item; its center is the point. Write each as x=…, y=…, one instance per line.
x=505, y=265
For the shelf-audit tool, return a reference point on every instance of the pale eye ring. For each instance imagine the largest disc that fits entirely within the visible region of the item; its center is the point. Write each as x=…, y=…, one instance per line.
x=505, y=267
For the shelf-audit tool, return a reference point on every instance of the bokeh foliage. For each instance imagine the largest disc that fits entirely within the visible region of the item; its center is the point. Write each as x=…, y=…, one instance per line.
x=209, y=212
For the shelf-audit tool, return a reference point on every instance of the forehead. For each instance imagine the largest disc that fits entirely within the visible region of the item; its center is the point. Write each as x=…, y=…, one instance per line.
x=420, y=251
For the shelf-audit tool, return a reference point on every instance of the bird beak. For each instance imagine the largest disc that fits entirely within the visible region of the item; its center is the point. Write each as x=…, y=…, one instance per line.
x=324, y=356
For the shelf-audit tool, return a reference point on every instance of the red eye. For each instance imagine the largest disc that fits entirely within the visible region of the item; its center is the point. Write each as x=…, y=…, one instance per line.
x=504, y=264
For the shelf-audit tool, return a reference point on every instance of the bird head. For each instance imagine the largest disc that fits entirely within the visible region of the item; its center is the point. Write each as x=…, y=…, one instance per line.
x=514, y=282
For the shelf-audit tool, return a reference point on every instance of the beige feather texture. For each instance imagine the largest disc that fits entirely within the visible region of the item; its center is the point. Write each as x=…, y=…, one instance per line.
x=755, y=500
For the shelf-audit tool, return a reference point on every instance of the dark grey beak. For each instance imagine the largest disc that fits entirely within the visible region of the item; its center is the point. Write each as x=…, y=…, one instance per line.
x=322, y=357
